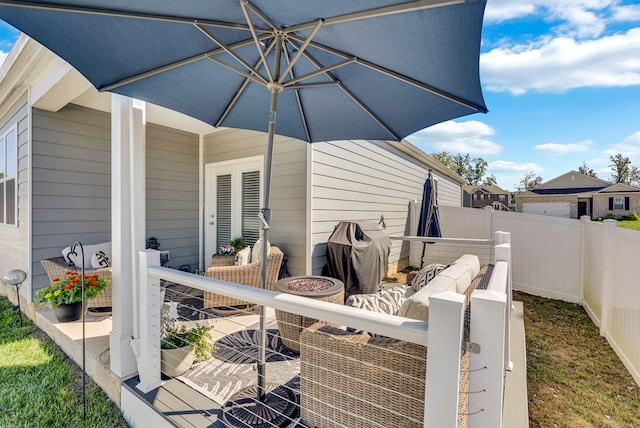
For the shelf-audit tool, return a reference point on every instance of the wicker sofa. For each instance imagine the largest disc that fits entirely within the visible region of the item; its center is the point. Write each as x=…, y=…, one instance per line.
x=350, y=379
x=248, y=274
x=57, y=268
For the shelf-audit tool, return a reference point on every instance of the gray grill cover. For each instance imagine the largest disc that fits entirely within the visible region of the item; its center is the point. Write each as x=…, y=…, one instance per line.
x=358, y=255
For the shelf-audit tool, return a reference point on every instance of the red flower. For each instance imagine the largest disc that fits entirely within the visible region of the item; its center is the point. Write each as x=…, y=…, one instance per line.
x=68, y=287
x=93, y=283
x=56, y=279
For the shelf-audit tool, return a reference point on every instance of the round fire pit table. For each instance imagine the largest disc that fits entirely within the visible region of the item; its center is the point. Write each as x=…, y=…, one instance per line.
x=315, y=287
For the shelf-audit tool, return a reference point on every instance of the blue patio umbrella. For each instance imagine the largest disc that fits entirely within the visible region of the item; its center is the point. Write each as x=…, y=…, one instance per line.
x=375, y=69
x=429, y=222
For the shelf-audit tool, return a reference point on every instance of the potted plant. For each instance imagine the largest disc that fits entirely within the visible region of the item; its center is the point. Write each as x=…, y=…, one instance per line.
x=65, y=295
x=237, y=243
x=182, y=346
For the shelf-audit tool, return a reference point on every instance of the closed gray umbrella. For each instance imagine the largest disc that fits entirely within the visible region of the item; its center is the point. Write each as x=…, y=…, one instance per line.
x=429, y=222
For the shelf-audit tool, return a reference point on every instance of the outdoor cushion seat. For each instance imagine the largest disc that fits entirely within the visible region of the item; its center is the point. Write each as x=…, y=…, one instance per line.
x=57, y=267
x=349, y=378
x=248, y=274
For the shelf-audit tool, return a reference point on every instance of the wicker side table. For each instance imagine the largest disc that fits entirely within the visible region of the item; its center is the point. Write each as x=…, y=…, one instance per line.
x=320, y=288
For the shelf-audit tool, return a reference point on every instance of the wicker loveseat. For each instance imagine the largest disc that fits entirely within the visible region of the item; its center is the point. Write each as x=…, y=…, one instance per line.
x=57, y=268
x=248, y=274
x=350, y=379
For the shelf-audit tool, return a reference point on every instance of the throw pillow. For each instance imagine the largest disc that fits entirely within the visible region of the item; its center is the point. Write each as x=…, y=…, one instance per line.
x=256, y=253
x=426, y=274
x=242, y=256
x=385, y=301
x=100, y=260
x=74, y=258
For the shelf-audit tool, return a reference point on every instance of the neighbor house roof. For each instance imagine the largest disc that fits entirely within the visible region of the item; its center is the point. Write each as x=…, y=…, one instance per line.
x=485, y=188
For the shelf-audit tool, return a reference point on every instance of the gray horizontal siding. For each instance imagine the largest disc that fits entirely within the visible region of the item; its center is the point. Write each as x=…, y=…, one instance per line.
x=288, y=186
x=71, y=182
x=172, y=183
x=367, y=180
x=14, y=251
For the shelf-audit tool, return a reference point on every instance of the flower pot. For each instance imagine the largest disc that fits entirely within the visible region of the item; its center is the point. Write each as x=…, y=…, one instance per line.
x=66, y=312
x=175, y=362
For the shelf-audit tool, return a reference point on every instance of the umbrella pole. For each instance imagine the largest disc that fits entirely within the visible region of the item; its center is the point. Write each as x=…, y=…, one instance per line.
x=265, y=219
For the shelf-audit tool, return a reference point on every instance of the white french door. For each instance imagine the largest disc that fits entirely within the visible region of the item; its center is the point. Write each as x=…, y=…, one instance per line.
x=233, y=192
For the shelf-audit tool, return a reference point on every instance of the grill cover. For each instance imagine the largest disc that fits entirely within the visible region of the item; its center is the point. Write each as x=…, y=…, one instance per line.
x=358, y=255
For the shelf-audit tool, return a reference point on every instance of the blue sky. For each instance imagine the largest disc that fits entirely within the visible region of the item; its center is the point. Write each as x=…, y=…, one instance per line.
x=561, y=79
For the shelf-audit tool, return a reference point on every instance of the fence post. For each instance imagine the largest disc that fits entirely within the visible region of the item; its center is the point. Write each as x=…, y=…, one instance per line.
x=607, y=245
x=503, y=254
x=442, y=390
x=486, y=379
x=148, y=355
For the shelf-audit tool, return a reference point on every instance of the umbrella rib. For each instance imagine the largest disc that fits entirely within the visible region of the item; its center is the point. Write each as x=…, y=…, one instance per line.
x=301, y=49
x=244, y=5
x=240, y=90
x=350, y=94
x=233, y=54
x=383, y=11
x=303, y=116
x=322, y=70
x=124, y=14
x=398, y=76
x=176, y=64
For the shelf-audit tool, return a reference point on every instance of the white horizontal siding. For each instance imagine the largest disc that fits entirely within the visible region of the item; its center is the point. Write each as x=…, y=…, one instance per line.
x=367, y=180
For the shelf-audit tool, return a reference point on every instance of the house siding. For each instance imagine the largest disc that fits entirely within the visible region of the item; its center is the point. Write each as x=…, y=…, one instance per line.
x=172, y=192
x=71, y=198
x=367, y=180
x=288, y=186
x=14, y=251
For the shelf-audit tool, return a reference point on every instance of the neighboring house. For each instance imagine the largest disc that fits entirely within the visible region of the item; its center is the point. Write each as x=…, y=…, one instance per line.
x=480, y=196
x=573, y=195
x=89, y=166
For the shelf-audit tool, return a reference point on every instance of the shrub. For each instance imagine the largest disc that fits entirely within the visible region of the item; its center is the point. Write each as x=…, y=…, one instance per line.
x=633, y=216
x=611, y=216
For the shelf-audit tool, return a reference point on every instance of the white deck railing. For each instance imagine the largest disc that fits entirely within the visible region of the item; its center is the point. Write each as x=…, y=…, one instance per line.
x=443, y=335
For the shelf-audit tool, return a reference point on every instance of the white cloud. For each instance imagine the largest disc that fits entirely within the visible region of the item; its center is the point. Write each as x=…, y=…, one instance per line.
x=564, y=149
x=3, y=55
x=457, y=137
x=508, y=166
x=560, y=64
x=629, y=147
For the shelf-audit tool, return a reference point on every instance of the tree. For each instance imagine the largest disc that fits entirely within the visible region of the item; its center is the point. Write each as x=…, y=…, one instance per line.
x=529, y=181
x=490, y=180
x=471, y=169
x=584, y=169
x=621, y=167
x=634, y=176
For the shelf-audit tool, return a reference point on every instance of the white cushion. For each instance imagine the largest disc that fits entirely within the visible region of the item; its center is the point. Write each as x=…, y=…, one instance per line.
x=472, y=261
x=243, y=256
x=256, y=252
x=100, y=260
x=75, y=258
x=417, y=306
x=460, y=274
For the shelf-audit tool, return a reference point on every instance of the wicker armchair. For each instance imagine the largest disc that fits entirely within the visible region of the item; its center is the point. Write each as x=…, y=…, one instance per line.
x=248, y=274
x=57, y=267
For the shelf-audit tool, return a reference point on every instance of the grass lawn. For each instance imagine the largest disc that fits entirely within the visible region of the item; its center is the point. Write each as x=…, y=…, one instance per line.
x=40, y=386
x=574, y=378
x=629, y=224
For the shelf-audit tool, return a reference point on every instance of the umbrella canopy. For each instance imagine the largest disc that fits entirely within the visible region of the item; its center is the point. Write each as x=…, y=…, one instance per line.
x=429, y=223
x=347, y=70
x=375, y=69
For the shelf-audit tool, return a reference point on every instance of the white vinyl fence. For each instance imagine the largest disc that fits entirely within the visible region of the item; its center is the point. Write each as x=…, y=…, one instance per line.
x=579, y=261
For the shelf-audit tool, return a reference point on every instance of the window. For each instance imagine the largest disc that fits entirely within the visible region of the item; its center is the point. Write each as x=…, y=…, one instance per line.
x=618, y=203
x=8, y=177
x=475, y=197
x=502, y=198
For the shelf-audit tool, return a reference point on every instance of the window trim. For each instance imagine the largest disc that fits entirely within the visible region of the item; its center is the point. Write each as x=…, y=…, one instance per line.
x=618, y=203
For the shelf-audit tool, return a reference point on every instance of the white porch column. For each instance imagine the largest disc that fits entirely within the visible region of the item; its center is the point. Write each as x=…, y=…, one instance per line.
x=127, y=225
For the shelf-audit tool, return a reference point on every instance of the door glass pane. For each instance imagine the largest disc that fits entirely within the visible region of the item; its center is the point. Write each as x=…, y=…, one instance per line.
x=223, y=209
x=250, y=206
